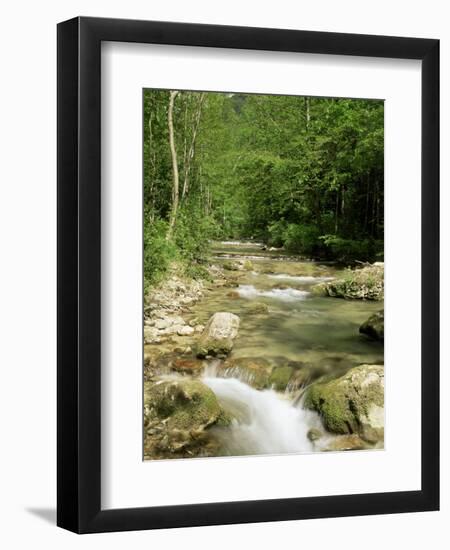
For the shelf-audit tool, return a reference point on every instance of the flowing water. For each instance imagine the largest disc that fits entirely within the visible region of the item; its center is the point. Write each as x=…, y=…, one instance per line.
x=321, y=332
x=265, y=422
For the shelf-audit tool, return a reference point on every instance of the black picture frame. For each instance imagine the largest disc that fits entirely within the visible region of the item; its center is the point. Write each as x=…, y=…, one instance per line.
x=79, y=281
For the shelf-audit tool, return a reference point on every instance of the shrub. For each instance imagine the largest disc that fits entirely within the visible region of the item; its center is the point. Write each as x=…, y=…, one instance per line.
x=276, y=233
x=192, y=234
x=157, y=252
x=347, y=250
x=303, y=239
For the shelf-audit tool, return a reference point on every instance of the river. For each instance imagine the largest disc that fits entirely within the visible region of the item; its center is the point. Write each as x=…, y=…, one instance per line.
x=322, y=331
x=298, y=329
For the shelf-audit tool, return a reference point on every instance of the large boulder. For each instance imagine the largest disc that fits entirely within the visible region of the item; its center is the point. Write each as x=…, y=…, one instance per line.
x=177, y=415
x=374, y=326
x=218, y=335
x=351, y=404
x=366, y=283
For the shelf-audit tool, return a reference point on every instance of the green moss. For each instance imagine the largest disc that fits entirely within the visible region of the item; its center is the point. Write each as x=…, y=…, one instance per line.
x=213, y=347
x=345, y=403
x=333, y=405
x=178, y=416
x=254, y=371
x=319, y=290
x=374, y=326
x=360, y=284
x=230, y=266
x=279, y=379
x=314, y=434
x=186, y=403
x=224, y=419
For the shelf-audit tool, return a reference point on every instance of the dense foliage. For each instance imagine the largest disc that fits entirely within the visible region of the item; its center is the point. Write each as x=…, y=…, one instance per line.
x=299, y=172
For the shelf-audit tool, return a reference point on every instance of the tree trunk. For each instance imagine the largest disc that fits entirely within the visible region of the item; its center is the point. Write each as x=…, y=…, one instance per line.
x=366, y=214
x=336, y=213
x=175, y=177
x=307, y=111
x=190, y=155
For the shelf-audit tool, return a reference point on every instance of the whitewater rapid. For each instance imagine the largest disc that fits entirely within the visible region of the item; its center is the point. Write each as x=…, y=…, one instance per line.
x=264, y=422
x=286, y=294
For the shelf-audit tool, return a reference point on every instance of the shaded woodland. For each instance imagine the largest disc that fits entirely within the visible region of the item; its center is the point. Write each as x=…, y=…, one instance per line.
x=300, y=173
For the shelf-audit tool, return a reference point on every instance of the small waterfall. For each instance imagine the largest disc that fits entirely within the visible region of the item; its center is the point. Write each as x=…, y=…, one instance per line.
x=264, y=422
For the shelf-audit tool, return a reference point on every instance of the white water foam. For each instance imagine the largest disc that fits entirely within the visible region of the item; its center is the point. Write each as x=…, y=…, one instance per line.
x=300, y=278
x=223, y=256
x=241, y=243
x=265, y=422
x=286, y=294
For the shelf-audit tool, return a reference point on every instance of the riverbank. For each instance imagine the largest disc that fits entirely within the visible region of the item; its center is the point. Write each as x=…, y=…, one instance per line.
x=287, y=339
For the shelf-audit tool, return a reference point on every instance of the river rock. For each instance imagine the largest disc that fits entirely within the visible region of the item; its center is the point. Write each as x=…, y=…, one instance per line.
x=314, y=434
x=185, y=330
x=177, y=415
x=167, y=322
x=366, y=283
x=258, y=308
x=280, y=377
x=346, y=443
x=172, y=295
x=151, y=354
x=374, y=326
x=218, y=335
x=351, y=404
x=231, y=283
x=254, y=371
x=187, y=366
x=232, y=266
x=151, y=335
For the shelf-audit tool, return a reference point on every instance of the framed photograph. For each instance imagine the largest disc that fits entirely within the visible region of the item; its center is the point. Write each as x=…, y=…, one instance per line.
x=241, y=211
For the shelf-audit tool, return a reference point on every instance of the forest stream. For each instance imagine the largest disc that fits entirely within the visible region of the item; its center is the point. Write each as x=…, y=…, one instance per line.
x=282, y=325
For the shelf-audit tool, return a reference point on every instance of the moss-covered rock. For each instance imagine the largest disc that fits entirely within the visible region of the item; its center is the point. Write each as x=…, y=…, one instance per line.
x=218, y=335
x=280, y=377
x=177, y=415
x=231, y=266
x=191, y=366
x=351, y=404
x=321, y=289
x=313, y=434
x=366, y=283
x=374, y=326
x=254, y=371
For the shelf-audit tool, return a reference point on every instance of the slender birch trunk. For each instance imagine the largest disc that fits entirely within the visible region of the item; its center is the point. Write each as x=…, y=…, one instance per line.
x=175, y=176
x=190, y=155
